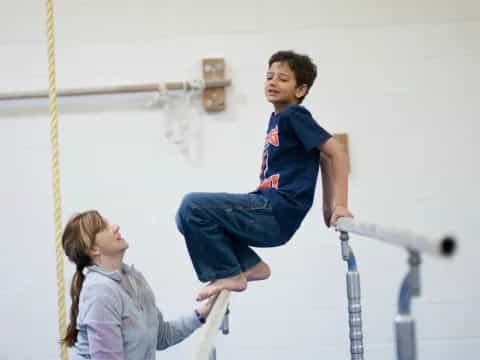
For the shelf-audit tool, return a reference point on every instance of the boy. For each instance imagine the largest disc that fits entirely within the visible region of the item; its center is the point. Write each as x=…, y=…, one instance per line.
x=219, y=228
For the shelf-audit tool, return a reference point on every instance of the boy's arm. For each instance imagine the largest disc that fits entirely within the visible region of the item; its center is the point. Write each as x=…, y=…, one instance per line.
x=334, y=167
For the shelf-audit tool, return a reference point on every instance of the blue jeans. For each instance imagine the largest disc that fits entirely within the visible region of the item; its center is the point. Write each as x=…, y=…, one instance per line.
x=219, y=229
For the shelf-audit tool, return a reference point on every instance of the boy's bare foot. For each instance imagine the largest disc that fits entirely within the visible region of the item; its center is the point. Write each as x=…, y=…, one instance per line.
x=234, y=283
x=261, y=271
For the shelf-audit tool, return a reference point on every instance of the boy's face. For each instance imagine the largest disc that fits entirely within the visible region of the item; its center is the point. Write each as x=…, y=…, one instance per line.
x=281, y=87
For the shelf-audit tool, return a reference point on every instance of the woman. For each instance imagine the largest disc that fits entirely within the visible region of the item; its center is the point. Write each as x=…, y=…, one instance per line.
x=113, y=313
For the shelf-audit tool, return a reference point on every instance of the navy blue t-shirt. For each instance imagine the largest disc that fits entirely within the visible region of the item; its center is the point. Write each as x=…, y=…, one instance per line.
x=290, y=165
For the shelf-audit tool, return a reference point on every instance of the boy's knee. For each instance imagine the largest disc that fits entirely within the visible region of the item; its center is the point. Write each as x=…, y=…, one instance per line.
x=179, y=222
x=184, y=211
x=187, y=204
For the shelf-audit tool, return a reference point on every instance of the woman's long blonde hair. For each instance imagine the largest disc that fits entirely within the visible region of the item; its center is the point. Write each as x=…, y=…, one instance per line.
x=78, y=238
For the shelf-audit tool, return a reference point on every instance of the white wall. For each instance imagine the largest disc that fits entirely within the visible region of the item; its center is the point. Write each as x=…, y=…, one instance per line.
x=401, y=78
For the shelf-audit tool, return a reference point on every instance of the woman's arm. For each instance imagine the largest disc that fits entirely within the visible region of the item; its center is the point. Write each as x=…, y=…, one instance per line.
x=173, y=332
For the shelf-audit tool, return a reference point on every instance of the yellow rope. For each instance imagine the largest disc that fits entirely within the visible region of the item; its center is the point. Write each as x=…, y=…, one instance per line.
x=57, y=203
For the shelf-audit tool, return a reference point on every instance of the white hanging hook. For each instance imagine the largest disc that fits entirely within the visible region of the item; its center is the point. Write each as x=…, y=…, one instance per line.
x=198, y=85
x=160, y=96
x=188, y=92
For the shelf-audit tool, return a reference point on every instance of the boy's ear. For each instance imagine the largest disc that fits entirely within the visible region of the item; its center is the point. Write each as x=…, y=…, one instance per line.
x=301, y=91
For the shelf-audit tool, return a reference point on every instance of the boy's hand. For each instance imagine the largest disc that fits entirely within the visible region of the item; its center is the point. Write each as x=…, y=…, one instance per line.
x=339, y=212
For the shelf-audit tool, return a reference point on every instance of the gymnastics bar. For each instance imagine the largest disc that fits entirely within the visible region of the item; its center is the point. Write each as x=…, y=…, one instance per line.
x=441, y=247
x=212, y=325
x=210, y=84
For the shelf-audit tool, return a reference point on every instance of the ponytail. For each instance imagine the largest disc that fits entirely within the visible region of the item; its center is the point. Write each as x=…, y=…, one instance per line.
x=78, y=237
x=77, y=282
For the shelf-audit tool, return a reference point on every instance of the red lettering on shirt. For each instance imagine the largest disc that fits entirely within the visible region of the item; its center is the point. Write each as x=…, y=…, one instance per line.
x=270, y=182
x=264, y=167
x=272, y=137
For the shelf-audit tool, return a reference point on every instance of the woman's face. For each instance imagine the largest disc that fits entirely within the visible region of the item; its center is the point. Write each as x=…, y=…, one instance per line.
x=109, y=241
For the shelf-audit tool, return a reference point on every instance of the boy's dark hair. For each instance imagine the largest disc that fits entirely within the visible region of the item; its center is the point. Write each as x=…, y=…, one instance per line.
x=301, y=65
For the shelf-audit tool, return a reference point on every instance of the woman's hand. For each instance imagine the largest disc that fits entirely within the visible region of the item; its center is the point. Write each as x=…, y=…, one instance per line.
x=205, y=308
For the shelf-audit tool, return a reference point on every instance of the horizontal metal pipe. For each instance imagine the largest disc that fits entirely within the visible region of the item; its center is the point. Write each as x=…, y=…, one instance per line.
x=445, y=246
x=115, y=89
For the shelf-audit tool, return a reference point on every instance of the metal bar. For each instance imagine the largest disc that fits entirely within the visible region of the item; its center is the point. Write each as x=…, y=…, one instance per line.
x=89, y=91
x=354, y=304
x=442, y=247
x=213, y=354
x=404, y=322
x=225, y=327
x=405, y=337
x=212, y=325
